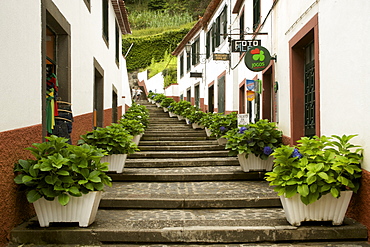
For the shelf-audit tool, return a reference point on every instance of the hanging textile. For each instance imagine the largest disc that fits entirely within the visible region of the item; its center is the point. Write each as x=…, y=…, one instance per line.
x=51, y=105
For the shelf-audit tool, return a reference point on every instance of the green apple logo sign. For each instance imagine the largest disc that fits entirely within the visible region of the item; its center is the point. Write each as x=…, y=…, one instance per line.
x=257, y=58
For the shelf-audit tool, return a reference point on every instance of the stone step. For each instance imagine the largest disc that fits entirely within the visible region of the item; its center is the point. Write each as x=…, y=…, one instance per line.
x=179, y=154
x=186, y=174
x=181, y=148
x=189, y=226
x=171, y=138
x=174, y=134
x=265, y=244
x=190, y=195
x=181, y=162
x=180, y=143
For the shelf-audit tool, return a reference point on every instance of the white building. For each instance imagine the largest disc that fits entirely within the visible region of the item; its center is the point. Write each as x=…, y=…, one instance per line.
x=79, y=41
x=316, y=83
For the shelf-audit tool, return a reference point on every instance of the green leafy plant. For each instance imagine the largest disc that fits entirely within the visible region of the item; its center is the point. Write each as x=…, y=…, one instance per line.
x=316, y=166
x=222, y=123
x=138, y=112
x=259, y=138
x=194, y=114
x=61, y=170
x=166, y=102
x=180, y=107
x=113, y=138
x=151, y=95
x=133, y=126
x=207, y=119
x=159, y=97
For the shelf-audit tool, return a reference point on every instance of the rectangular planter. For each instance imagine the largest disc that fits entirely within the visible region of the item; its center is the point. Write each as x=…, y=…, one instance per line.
x=197, y=126
x=253, y=163
x=136, y=139
x=79, y=209
x=171, y=114
x=208, y=132
x=327, y=208
x=116, y=162
x=222, y=141
x=158, y=104
x=165, y=109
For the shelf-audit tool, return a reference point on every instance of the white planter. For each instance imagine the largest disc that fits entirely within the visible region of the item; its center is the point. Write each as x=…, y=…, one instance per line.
x=222, y=141
x=152, y=101
x=187, y=121
x=136, y=139
x=165, y=109
x=327, y=208
x=197, y=126
x=79, y=209
x=172, y=114
x=208, y=132
x=180, y=117
x=158, y=104
x=116, y=162
x=253, y=163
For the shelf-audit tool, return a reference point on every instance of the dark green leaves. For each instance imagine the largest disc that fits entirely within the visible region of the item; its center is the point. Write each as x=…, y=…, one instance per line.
x=328, y=165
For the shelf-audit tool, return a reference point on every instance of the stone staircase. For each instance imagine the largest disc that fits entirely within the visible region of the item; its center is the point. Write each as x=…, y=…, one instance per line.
x=182, y=188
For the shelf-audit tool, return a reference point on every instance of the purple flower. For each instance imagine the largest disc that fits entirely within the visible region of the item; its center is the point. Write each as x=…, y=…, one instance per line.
x=267, y=150
x=242, y=129
x=223, y=129
x=296, y=154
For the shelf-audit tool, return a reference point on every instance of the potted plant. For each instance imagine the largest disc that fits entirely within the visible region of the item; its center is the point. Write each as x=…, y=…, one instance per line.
x=138, y=112
x=171, y=109
x=63, y=178
x=221, y=124
x=166, y=103
x=180, y=107
x=134, y=127
x=206, y=121
x=158, y=99
x=150, y=97
x=115, y=140
x=253, y=144
x=320, y=174
x=194, y=116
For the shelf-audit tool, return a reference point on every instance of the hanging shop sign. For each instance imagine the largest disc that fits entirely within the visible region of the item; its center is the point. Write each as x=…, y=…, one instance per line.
x=243, y=45
x=257, y=58
x=221, y=56
x=196, y=74
x=251, y=95
x=250, y=84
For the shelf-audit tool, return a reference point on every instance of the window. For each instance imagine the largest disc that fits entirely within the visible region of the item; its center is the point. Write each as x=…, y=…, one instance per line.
x=182, y=65
x=105, y=21
x=241, y=25
x=117, y=44
x=220, y=29
x=256, y=14
x=195, y=50
x=188, y=62
x=208, y=43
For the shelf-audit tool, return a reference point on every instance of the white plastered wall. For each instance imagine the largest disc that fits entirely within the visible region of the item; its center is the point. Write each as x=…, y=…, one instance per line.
x=20, y=70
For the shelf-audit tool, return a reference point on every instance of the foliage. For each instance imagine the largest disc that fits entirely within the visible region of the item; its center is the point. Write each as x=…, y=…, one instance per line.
x=157, y=4
x=159, y=97
x=166, y=102
x=179, y=107
x=132, y=126
x=157, y=19
x=207, y=119
x=316, y=166
x=113, y=138
x=149, y=49
x=170, y=76
x=151, y=95
x=194, y=114
x=61, y=170
x=138, y=112
x=259, y=138
x=222, y=123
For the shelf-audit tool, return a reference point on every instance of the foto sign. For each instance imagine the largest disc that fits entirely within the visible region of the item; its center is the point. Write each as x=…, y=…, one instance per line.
x=257, y=58
x=243, y=45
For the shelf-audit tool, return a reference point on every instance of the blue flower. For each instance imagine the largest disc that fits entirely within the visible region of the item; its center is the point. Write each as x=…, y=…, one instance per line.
x=267, y=150
x=296, y=154
x=223, y=129
x=242, y=129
